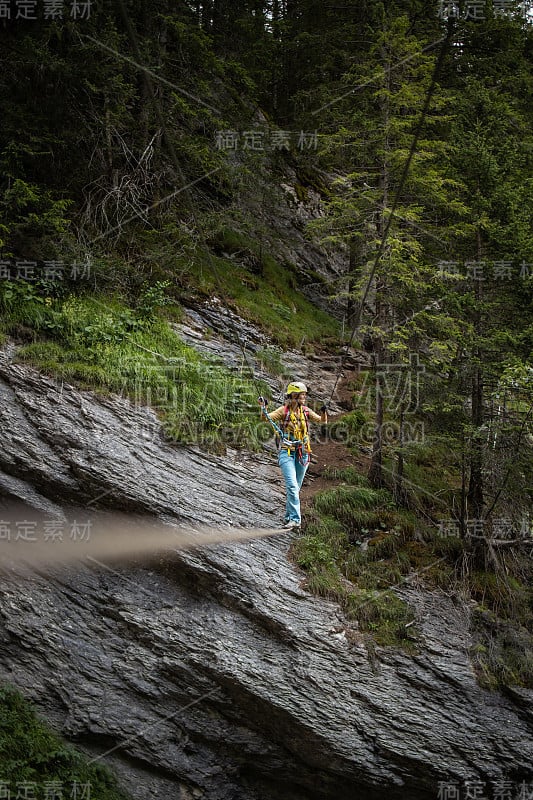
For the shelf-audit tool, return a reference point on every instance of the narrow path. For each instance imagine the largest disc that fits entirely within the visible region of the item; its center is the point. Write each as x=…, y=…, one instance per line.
x=329, y=455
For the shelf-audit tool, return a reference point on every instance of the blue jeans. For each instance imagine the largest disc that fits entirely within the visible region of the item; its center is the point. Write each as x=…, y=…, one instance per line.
x=294, y=473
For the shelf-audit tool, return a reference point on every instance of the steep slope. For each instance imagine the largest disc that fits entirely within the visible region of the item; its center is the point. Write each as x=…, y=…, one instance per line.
x=212, y=673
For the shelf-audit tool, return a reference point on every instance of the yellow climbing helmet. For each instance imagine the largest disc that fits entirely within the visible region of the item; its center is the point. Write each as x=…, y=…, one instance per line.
x=296, y=388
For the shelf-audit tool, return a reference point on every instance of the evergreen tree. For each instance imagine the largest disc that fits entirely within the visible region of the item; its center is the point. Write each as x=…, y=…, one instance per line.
x=390, y=266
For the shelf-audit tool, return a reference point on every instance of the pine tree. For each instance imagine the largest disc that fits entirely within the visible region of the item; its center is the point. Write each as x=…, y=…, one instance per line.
x=390, y=271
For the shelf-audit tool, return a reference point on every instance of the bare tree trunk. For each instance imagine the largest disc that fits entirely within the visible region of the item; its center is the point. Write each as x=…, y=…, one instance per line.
x=351, y=303
x=462, y=520
x=475, y=486
x=162, y=50
x=375, y=474
x=376, y=471
x=108, y=141
x=399, y=494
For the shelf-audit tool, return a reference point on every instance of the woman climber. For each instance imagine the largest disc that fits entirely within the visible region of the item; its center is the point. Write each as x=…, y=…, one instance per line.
x=291, y=422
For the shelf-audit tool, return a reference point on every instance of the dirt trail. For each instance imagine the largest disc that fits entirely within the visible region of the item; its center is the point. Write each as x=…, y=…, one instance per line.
x=329, y=454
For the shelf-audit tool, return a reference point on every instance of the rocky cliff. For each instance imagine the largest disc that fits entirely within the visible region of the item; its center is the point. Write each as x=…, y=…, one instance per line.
x=211, y=673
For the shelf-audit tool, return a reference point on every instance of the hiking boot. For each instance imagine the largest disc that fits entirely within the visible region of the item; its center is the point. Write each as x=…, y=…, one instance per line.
x=291, y=525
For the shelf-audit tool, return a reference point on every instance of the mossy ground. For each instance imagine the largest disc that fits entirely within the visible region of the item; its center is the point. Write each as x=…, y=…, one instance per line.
x=36, y=763
x=262, y=290
x=359, y=545
x=361, y=580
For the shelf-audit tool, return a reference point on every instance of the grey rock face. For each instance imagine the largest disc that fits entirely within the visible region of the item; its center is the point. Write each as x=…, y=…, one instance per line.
x=211, y=673
x=213, y=330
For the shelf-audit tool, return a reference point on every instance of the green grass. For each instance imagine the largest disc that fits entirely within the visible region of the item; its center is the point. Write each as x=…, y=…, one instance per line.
x=270, y=359
x=358, y=545
x=348, y=475
x=260, y=289
x=33, y=755
x=503, y=652
x=244, y=275
x=360, y=581
x=101, y=344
